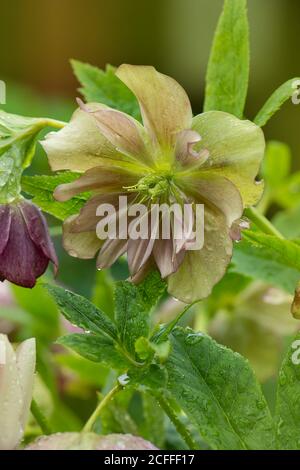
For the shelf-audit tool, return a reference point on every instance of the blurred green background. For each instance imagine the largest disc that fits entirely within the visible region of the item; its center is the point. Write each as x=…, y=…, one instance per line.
x=39, y=37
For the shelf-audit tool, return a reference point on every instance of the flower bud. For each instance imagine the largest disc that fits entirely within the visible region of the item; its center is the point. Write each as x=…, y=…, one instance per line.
x=25, y=245
x=90, y=441
x=16, y=385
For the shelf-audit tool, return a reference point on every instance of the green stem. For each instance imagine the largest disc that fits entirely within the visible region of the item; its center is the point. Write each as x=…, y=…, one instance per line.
x=167, y=329
x=130, y=359
x=91, y=421
x=40, y=418
x=265, y=202
x=262, y=222
x=179, y=425
x=55, y=123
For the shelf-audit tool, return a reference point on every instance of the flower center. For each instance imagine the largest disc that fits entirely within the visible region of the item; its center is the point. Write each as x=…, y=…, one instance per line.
x=152, y=187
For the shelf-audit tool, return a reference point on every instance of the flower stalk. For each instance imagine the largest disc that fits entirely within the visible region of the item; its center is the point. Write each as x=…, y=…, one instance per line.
x=262, y=222
x=95, y=415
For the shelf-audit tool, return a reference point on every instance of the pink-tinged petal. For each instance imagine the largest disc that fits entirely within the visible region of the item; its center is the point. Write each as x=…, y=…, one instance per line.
x=143, y=272
x=95, y=179
x=111, y=250
x=183, y=229
x=139, y=251
x=11, y=397
x=90, y=441
x=185, y=153
x=236, y=229
x=38, y=230
x=82, y=245
x=165, y=106
x=5, y=222
x=87, y=219
x=216, y=192
x=26, y=360
x=236, y=149
x=125, y=133
x=165, y=257
x=80, y=145
x=202, y=269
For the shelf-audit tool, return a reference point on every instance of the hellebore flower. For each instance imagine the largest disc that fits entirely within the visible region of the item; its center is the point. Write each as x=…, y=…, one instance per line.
x=90, y=441
x=16, y=385
x=211, y=159
x=25, y=245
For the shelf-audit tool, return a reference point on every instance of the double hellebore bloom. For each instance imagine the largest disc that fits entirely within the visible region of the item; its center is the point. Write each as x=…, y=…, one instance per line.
x=16, y=385
x=25, y=245
x=210, y=159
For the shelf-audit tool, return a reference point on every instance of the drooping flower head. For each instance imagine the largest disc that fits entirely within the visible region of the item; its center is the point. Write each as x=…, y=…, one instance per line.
x=210, y=159
x=25, y=245
x=16, y=386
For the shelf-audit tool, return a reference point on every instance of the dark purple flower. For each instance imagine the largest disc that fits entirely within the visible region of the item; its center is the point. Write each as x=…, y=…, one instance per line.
x=25, y=244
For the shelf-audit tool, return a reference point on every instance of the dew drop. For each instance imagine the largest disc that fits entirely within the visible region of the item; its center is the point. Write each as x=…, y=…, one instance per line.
x=123, y=379
x=194, y=338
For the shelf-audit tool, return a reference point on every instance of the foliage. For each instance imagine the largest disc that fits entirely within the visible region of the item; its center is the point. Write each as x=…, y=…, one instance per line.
x=170, y=376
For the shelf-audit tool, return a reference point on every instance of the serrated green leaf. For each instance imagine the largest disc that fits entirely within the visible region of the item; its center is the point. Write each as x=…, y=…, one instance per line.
x=81, y=312
x=42, y=188
x=288, y=400
x=269, y=259
x=133, y=306
x=103, y=292
x=217, y=389
x=152, y=378
x=228, y=68
x=96, y=348
x=105, y=87
x=153, y=426
x=274, y=103
x=284, y=251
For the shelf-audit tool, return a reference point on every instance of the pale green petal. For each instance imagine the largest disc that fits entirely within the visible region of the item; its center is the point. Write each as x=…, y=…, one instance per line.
x=202, y=269
x=111, y=250
x=106, y=180
x=216, y=191
x=87, y=219
x=80, y=145
x=236, y=151
x=26, y=361
x=82, y=245
x=11, y=397
x=124, y=133
x=165, y=106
